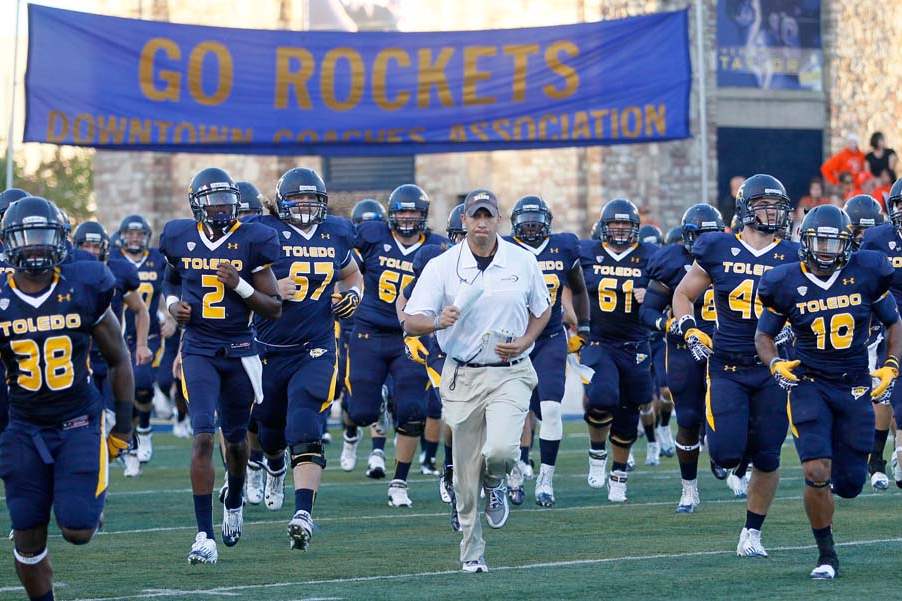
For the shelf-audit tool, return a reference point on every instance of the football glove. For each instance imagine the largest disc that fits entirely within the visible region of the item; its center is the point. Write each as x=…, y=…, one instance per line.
x=116, y=445
x=575, y=344
x=886, y=377
x=345, y=303
x=785, y=337
x=415, y=349
x=781, y=370
x=699, y=343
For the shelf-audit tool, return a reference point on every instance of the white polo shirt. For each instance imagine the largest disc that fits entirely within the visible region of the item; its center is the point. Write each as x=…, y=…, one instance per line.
x=501, y=298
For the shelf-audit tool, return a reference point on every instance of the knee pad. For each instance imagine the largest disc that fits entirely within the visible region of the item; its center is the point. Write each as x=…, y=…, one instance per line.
x=144, y=396
x=817, y=483
x=598, y=418
x=688, y=448
x=412, y=428
x=363, y=416
x=30, y=559
x=308, y=452
x=552, y=421
x=623, y=439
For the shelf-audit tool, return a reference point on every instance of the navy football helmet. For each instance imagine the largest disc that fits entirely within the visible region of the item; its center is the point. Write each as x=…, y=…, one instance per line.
x=250, y=200
x=864, y=211
x=9, y=196
x=531, y=220
x=894, y=204
x=34, y=235
x=763, y=193
x=456, y=229
x=698, y=219
x=408, y=197
x=826, y=238
x=213, y=197
x=367, y=209
x=91, y=237
x=134, y=234
x=619, y=210
x=301, y=197
x=595, y=234
x=651, y=234
x=674, y=236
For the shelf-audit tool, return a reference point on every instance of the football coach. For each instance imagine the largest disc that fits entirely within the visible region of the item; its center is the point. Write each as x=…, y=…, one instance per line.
x=487, y=301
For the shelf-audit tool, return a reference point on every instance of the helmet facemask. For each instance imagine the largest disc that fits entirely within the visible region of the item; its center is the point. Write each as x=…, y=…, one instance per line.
x=216, y=206
x=532, y=227
x=303, y=209
x=35, y=247
x=407, y=222
x=826, y=248
x=619, y=232
x=134, y=238
x=767, y=213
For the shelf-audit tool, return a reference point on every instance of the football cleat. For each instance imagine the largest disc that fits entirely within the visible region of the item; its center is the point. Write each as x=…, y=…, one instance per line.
x=132, y=465
x=689, y=500
x=720, y=473
x=653, y=454
x=827, y=568
x=254, y=482
x=375, y=465
x=428, y=468
x=515, y=484
x=598, y=469
x=527, y=468
x=455, y=518
x=665, y=439
x=630, y=463
x=348, y=458
x=739, y=486
x=232, y=520
x=203, y=550
x=274, y=489
x=300, y=530
x=750, y=544
x=182, y=429
x=617, y=486
x=326, y=438
x=897, y=470
x=161, y=406
x=879, y=481
x=145, y=444
x=446, y=485
x=397, y=494
x=496, y=508
x=545, y=486
x=475, y=566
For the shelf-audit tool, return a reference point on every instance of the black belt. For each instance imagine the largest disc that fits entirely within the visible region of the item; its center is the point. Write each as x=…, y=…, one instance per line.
x=498, y=364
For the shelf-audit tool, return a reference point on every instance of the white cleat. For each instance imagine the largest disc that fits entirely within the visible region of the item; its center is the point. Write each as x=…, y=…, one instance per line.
x=598, y=469
x=300, y=530
x=823, y=572
x=397, y=494
x=526, y=469
x=750, y=544
x=617, y=486
x=182, y=429
x=254, y=483
x=348, y=458
x=443, y=485
x=879, y=482
x=515, y=483
x=203, y=550
x=689, y=500
x=665, y=440
x=545, y=486
x=630, y=463
x=653, y=454
x=897, y=470
x=132, y=465
x=375, y=464
x=274, y=489
x=739, y=486
x=232, y=521
x=161, y=406
x=145, y=445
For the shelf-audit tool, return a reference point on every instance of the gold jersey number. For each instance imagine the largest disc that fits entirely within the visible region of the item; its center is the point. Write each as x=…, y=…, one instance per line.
x=299, y=271
x=607, y=295
x=742, y=297
x=842, y=329
x=58, y=371
x=389, y=284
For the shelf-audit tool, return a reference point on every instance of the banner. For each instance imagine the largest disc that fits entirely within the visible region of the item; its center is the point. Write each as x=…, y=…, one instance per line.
x=769, y=44
x=128, y=84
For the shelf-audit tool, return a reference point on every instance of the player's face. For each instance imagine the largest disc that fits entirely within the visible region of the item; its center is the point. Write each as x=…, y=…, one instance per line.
x=408, y=219
x=134, y=240
x=619, y=232
x=531, y=225
x=92, y=247
x=857, y=235
x=826, y=249
x=303, y=208
x=769, y=211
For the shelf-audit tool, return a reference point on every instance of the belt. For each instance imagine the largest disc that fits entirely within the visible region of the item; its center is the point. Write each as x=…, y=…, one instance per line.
x=498, y=364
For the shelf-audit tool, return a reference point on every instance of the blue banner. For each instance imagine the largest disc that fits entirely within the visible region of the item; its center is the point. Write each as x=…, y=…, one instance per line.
x=128, y=84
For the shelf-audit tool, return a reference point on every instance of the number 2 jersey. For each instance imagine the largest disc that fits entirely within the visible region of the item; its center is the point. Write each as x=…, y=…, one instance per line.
x=557, y=255
x=45, y=341
x=220, y=319
x=611, y=278
x=387, y=267
x=314, y=261
x=735, y=269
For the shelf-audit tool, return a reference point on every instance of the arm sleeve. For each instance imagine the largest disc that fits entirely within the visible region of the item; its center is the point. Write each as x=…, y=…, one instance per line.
x=537, y=298
x=702, y=250
x=772, y=318
x=267, y=250
x=428, y=292
x=102, y=289
x=653, y=311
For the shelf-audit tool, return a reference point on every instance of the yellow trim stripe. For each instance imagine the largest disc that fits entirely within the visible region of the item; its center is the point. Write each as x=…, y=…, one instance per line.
x=184, y=384
x=792, y=427
x=348, y=371
x=332, y=385
x=158, y=356
x=435, y=378
x=709, y=413
x=103, y=471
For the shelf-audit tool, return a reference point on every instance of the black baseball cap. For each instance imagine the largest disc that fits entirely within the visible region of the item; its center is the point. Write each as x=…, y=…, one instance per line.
x=481, y=199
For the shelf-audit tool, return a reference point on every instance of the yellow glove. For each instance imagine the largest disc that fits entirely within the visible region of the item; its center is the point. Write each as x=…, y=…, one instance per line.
x=575, y=344
x=781, y=370
x=699, y=343
x=116, y=445
x=415, y=349
x=887, y=376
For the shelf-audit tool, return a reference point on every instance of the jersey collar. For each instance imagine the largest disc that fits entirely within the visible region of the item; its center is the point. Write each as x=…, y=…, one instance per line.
x=34, y=301
x=214, y=245
x=754, y=251
x=536, y=250
x=619, y=256
x=139, y=262
x=406, y=250
x=305, y=235
x=822, y=284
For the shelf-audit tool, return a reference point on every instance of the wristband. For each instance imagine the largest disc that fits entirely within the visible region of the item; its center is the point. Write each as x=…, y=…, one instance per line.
x=583, y=327
x=684, y=323
x=171, y=300
x=355, y=289
x=891, y=362
x=244, y=289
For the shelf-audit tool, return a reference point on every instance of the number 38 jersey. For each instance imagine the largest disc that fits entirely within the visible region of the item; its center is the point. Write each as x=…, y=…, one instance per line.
x=387, y=268
x=313, y=260
x=45, y=341
x=735, y=269
x=611, y=278
x=220, y=319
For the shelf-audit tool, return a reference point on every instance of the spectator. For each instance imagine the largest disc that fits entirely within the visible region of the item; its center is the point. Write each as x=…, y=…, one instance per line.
x=849, y=160
x=883, y=184
x=848, y=187
x=881, y=158
x=814, y=198
x=727, y=205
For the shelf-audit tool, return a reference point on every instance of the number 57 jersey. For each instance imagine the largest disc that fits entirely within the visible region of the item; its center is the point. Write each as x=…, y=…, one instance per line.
x=735, y=269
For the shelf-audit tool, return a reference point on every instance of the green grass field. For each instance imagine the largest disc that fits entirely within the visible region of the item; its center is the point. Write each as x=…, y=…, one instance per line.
x=584, y=548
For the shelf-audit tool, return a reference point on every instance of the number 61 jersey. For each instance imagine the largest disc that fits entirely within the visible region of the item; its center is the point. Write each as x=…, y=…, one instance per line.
x=735, y=268
x=45, y=341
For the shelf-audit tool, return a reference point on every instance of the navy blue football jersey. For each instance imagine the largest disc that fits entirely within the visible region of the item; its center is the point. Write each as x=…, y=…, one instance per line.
x=387, y=268
x=886, y=239
x=557, y=255
x=611, y=279
x=668, y=266
x=220, y=319
x=830, y=318
x=45, y=341
x=735, y=270
x=313, y=260
x=150, y=269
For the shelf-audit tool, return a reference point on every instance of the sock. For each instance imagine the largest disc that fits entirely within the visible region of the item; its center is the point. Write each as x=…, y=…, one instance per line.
x=401, y=470
x=350, y=432
x=649, y=432
x=449, y=457
x=597, y=446
x=524, y=454
x=277, y=463
x=143, y=419
x=618, y=467
x=548, y=451
x=880, y=437
x=689, y=470
x=256, y=456
x=430, y=448
x=303, y=499
x=203, y=513
x=48, y=596
x=741, y=469
x=235, y=493
x=665, y=417
x=379, y=443
x=754, y=521
x=181, y=414
x=824, y=539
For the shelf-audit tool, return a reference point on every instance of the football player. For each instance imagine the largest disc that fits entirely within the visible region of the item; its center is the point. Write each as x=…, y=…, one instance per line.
x=828, y=299
x=7, y=197
x=218, y=273
x=674, y=235
x=615, y=270
x=685, y=376
x=300, y=361
x=744, y=407
x=662, y=404
x=376, y=350
x=250, y=200
x=887, y=238
x=558, y=257
x=54, y=452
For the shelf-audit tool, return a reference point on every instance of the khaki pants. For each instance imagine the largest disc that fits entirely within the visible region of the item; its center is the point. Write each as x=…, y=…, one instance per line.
x=485, y=411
